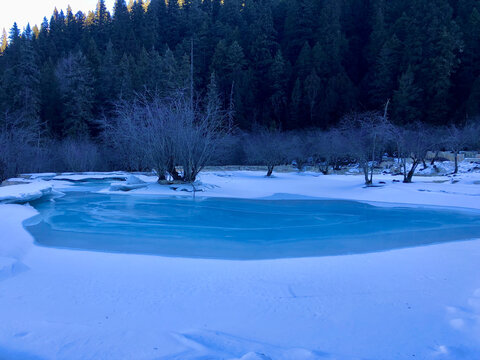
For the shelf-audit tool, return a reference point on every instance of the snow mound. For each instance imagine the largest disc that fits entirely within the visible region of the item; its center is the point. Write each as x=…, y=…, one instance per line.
x=210, y=344
x=85, y=177
x=10, y=267
x=14, y=239
x=25, y=192
x=132, y=182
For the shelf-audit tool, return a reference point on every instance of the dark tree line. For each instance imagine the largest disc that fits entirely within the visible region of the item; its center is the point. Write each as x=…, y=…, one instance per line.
x=276, y=63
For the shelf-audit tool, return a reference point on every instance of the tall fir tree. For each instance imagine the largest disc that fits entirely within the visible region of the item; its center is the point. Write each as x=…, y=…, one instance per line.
x=76, y=93
x=3, y=42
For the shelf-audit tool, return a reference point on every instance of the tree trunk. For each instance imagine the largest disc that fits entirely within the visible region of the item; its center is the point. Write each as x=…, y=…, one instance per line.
x=409, y=177
x=270, y=171
x=173, y=173
x=434, y=158
x=161, y=176
x=368, y=180
x=456, y=162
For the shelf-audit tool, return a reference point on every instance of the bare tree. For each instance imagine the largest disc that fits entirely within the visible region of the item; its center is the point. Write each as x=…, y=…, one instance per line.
x=458, y=138
x=126, y=135
x=366, y=135
x=328, y=147
x=412, y=144
x=438, y=137
x=301, y=147
x=267, y=147
x=199, y=133
x=165, y=133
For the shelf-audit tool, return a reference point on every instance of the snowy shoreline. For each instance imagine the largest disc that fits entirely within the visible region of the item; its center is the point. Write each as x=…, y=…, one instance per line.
x=64, y=304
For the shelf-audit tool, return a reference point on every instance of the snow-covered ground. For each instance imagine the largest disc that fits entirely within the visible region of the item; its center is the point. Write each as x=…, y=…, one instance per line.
x=416, y=303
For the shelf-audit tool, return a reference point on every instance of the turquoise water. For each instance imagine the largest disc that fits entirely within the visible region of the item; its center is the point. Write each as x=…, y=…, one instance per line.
x=240, y=229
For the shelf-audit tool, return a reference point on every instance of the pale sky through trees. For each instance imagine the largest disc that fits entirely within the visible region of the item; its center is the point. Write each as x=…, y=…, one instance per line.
x=33, y=11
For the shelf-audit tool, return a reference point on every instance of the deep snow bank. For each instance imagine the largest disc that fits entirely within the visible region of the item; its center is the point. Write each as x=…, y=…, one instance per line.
x=14, y=239
x=23, y=193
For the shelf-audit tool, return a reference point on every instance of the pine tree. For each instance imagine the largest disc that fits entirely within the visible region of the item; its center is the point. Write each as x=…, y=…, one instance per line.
x=335, y=88
x=303, y=64
x=155, y=23
x=102, y=22
x=295, y=105
x=14, y=33
x=75, y=79
x=312, y=89
x=379, y=34
x=406, y=99
x=102, y=16
x=124, y=78
x=214, y=103
x=49, y=99
x=386, y=70
x=3, y=42
x=106, y=77
x=120, y=25
x=279, y=83
x=20, y=80
x=154, y=71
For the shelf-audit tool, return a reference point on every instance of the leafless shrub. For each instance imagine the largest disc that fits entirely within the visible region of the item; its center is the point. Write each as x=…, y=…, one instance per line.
x=459, y=138
x=79, y=155
x=267, y=147
x=127, y=135
x=230, y=151
x=412, y=143
x=329, y=148
x=300, y=147
x=19, y=145
x=366, y=135
x=438, y=141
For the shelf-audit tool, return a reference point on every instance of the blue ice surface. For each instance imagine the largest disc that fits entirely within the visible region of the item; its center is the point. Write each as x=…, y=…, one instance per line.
x=239, y=229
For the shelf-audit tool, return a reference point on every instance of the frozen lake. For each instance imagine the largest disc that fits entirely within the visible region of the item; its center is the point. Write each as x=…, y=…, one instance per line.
x=240, y=229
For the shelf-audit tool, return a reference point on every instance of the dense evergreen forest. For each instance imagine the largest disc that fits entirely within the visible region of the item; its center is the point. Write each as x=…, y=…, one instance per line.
x=284, y=63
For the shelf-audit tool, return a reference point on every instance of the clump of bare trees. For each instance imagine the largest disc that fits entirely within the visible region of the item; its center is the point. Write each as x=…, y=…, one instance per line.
x=366, y=135
x=20, y=144
x=167, y=134
x=178, y=136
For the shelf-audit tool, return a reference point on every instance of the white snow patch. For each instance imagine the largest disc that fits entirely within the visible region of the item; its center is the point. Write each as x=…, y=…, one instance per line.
x=131, y=183
x=23, y=193
x=92, y=176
